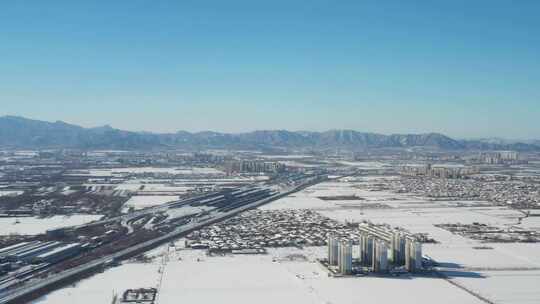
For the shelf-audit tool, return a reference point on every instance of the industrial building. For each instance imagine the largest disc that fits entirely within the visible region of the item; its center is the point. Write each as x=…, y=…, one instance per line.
x=10, y=253
x=58, y=254
x=28, y=255
x=7, y=250
x=29, y=258
x=4, y=252
x=19, y=256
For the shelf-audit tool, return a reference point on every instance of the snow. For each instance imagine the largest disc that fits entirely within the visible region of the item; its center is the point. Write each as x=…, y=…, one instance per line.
x=145, y=201
x=516, y=287
x=189, y=276
x=468, y=257
x=498, y=269
x=100, y=288
x=186, y=210
x=10, y=193
x=290, y=156
x=298, y=164
x=129, y=186
x=33, y=225
x=532, y=222
x=363, y=164
x=165, y=188
x=507, y=273
x=297, y=201
x=257, y=279
x=143, y=170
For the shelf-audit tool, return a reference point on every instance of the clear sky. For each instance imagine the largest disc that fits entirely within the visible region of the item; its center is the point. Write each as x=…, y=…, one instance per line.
x=463, y=68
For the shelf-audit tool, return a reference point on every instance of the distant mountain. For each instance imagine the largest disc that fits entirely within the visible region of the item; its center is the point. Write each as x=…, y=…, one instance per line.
x=496, y=140
x=19, y=132
x=26, y=133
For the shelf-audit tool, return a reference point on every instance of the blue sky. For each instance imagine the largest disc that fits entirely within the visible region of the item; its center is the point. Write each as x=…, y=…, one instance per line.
x=464, y=68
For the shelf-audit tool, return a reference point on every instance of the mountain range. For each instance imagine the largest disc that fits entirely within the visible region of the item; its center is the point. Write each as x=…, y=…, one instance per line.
x=19, y=132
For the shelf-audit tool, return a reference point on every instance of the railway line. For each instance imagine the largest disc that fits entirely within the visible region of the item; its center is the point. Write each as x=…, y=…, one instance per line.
x=225, y=206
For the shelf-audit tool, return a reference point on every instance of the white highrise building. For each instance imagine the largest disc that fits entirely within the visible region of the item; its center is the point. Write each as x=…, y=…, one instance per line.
x=345, y=257
x=366, y=250
x=413, y=255
x=417, y=255
x=380, y=257
x=333, y=256
x=397, y=248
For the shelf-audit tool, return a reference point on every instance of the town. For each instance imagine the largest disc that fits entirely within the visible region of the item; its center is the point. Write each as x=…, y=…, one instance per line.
x=124, y=204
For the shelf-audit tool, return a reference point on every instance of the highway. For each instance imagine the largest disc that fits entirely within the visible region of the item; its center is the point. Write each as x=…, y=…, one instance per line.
x=18, y=294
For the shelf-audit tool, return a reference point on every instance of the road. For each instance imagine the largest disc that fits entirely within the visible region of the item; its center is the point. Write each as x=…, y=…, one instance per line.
x=15, y=295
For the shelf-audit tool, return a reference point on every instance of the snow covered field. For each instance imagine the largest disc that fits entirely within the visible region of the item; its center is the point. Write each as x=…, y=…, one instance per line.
x=142, y=170
x=100, y=288
x=364, y=164
x=298, y=164
x=166, y=186
x=189, y=276
x=145, y=201
x=491, y=272
x=32, y=225
x=506, y=273
x=288, y=156
x=273, y=279
x=506, y=286
x=10, y=193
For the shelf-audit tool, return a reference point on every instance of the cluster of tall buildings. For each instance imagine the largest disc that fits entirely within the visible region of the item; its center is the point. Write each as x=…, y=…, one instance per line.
x=413, y=255
x=208, y=158
x=500, y=157
x=439, y=171
x=340, y=254
x=253, y=166
x=379, y=260
x=379, y=250
x=402, y=249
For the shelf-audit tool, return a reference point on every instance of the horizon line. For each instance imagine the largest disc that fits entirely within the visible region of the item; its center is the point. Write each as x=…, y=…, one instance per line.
x=269, y=130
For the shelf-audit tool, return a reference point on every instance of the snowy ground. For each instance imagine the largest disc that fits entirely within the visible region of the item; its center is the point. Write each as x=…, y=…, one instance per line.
x=10, y=193
x=532, y=222
x=32, y=225
x=506, y=273
x=142, y=170
x=290, y=156
x=363, y=164
x=101, y=287
x=506, y=286
x=298, y=164
x=166, y=186
x=492, y=273
x=186, y=210
x=274, y=279
x=145, y=201
x=189, y=276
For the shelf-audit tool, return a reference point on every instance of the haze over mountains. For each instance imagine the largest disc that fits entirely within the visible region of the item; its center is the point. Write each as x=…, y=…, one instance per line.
x=19, y=132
